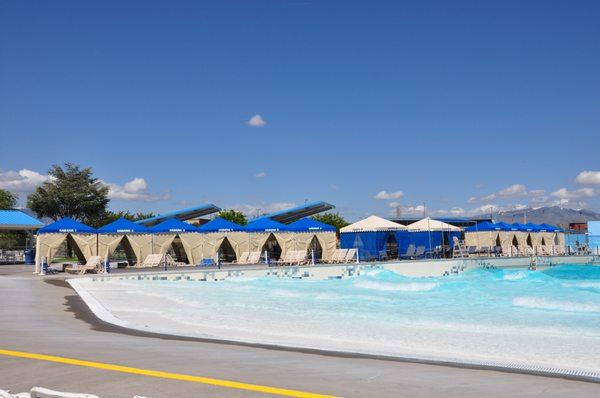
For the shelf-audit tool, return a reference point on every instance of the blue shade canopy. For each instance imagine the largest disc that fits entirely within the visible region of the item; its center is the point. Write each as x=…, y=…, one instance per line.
x=220, y=225
x=531, y=227
x=173, y=225
x=310, y=224
x=17, y=220
x=264, y=224
x=67, y=225
x=482, y=227
x=549, y=228
x=123, y=225
x=518, y=227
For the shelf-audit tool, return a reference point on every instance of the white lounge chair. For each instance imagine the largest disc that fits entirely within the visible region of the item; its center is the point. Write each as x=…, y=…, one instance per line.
x=350, y=255
x=40, y=392
x=339, y=255
x=93, y=264
x=254, y=258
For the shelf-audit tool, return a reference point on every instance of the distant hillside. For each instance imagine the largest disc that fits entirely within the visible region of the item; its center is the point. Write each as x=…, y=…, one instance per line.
x=550, y=215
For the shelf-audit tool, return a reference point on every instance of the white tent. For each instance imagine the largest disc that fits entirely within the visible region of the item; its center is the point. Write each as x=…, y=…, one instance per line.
x=373, y=223
x=429, y=224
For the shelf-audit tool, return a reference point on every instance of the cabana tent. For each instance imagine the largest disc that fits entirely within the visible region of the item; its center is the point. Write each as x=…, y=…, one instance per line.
x=135, y=239
x=267, y=234
x=81, y=238
x=370, y=236
x=310, y=234
x=429, y=233
x=175, y=234
x=225, y=238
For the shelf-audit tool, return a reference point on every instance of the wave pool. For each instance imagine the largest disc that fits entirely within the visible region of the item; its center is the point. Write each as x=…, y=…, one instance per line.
x=538, y=320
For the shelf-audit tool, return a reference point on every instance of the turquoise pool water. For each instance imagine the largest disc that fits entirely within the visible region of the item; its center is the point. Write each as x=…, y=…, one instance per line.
x=535, y=319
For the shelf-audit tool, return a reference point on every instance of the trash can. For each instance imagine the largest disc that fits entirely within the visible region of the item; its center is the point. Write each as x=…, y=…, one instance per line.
x=30, y=256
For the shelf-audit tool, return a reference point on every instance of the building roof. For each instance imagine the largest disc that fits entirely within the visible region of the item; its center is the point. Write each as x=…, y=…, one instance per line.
x=123, y=225
x=265, y=224
x=173, y=225
x=220, y=225
x=183, y=214
x=429, y=224
x=309, y=224
x=67, y=225
x=295, y=213
x=16, y=220
x=373, y=224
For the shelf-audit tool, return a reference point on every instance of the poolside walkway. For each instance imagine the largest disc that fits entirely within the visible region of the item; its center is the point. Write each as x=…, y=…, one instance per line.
x=47, y=317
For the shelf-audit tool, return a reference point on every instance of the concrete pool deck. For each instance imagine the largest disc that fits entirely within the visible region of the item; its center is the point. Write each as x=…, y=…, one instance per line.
x=46, y=316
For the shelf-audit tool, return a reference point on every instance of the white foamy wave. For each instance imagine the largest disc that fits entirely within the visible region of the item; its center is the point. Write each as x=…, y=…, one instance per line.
x=583, y=285
x=402, y=287
x=547, y=304
x=515, y=277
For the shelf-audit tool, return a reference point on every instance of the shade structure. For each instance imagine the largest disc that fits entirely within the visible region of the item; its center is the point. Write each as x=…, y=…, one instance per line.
x=122, y=225
x=16, y=220
x=220, y=225
x=373, y=224
x=135, y=239
x=309, y=224
x=264, y=224
x=549, y=228
x=67, y=225
x=81, y=238
x=429, y=224
x=173, y=225
x=488, y=226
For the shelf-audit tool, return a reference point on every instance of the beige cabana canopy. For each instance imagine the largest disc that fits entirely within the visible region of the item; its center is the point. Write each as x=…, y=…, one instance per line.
x=429, y=224
x=136, y=246
x=47, y=244
x=373, y=223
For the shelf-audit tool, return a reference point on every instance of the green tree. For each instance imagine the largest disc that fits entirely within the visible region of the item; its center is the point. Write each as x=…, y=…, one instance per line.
x=8, y=200
x=234, y=216
x=334, y=219
x=109, y=216
x=70, y=192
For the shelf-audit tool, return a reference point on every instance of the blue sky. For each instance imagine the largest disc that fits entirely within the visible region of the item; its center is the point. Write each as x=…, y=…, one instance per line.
x=460, y=105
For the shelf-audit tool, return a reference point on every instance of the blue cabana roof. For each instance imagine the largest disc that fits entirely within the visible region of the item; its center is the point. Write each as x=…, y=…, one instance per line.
x=549, y=228
x=17, y=220
x=123, y=225
x=173, y=225
x=264, y=224
x=310, y=224
x=67, y=225
x=531, y=227
x=220, y=225
x=482, y=227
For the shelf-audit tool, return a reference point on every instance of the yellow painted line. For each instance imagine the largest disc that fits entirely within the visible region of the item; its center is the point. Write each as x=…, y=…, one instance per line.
x=166, y=375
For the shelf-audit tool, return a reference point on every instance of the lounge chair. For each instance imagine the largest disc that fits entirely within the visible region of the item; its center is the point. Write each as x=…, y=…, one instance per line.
x=410, y=252
x=350, y=255
x=243, y=258
x=254, y=258
x=420, y=252
x=383, y=256
x=93, y=265
x=339, y=255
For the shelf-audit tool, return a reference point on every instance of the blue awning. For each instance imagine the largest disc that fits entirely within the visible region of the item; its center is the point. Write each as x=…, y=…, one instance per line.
x=309, y=225
x=264, y=224
x=17, y=220
x=531, y=227
x=123, y=225
x=173, y=225
x=549, y=228
x=220, y=225
x=67, y=225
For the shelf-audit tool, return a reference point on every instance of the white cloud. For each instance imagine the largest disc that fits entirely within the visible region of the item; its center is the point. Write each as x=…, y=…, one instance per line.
x=24, y=180
x=384, y=195
x=262, y=174
x=564, y=193
x=136, y=189
x=257, y=121
x=404, y=210
x=515, y=190
x=588, y=178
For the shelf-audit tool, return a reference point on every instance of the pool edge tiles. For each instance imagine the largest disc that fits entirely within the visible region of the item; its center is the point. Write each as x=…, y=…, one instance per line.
x=409, y=268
